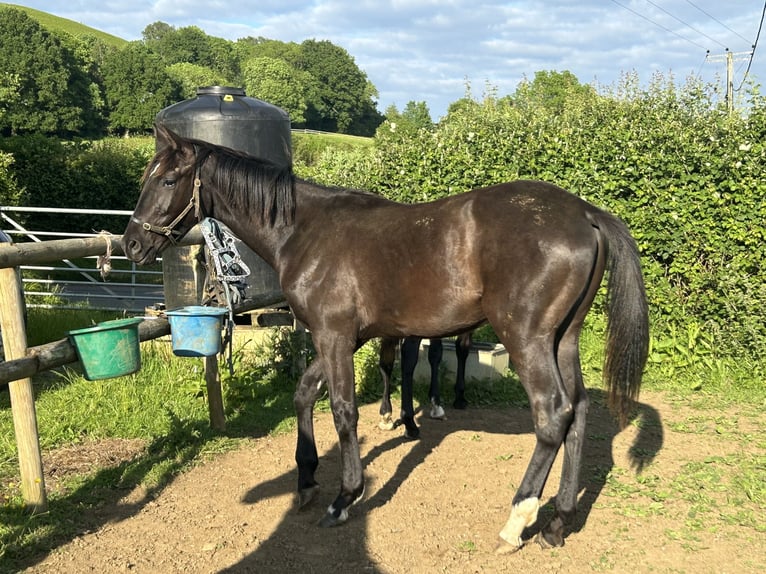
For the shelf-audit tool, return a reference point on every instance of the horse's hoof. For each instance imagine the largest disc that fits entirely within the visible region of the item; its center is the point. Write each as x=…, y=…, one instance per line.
x=505, y=547
x=411, y=433
x=386, y=423
x=329, y=520
x=460, y=404
x=437, y=412
x=307, y=495
x=546, y=544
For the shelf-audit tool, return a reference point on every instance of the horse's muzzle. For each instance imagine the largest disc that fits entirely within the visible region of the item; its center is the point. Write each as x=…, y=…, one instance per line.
x=135, y=251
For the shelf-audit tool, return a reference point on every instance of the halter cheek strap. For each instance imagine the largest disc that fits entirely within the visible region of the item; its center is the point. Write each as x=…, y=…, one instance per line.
x=169, y=230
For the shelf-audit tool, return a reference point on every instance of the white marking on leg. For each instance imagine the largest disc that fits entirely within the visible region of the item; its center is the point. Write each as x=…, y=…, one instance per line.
x=437, y=412
x=386, y=423
x=523, y=514
x=343, y=513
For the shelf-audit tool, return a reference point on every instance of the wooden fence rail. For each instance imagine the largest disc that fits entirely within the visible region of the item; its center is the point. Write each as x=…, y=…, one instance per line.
x=22, y=363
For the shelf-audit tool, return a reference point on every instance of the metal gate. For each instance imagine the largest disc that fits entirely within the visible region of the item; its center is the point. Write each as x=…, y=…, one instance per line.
x=79, y=284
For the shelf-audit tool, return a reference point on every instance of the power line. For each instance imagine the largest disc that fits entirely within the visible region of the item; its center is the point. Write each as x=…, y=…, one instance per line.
x=700, y=32
x=755, y=45
x=717, y=20
x=659, y=25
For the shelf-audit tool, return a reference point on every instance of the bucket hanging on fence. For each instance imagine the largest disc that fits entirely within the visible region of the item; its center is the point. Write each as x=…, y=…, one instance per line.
x=195, y=330
x=109, y=349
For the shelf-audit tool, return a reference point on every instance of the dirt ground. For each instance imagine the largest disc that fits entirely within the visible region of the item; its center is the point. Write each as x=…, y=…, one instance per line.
x=433, y=505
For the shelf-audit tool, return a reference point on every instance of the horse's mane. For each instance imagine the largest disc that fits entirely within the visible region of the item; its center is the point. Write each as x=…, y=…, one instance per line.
x=249, y=184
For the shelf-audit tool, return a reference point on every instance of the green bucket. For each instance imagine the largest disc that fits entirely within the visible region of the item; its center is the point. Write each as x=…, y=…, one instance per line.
x=109, y=349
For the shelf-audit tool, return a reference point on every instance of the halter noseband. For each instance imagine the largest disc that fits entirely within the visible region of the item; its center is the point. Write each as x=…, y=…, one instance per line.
x=169, y=230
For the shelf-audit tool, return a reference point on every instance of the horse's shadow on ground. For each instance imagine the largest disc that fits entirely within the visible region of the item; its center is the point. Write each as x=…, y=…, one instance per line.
x=291, y=549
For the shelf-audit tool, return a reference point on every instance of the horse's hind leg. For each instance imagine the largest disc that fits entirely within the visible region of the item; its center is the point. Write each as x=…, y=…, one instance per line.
x=552, y=415
x=462, y=348
x=566, y=500
x=386, y=366
x=435, y=353
x=306, y=457
x=409, y=352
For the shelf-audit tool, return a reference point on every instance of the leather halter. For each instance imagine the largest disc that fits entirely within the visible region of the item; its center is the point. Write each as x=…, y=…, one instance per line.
x=169, y=230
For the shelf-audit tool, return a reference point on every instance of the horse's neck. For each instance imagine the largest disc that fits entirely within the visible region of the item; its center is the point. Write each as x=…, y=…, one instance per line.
x=313, y=203
x=258, y=236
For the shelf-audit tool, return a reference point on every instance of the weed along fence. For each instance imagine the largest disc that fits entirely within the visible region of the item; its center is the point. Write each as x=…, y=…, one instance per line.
x=21, y=363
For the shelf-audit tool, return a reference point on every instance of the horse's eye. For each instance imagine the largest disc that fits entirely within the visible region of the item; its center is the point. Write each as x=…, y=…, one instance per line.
x=168, y=183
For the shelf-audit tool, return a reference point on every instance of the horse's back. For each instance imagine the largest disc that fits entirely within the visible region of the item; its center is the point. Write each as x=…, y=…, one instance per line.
x=415, y=268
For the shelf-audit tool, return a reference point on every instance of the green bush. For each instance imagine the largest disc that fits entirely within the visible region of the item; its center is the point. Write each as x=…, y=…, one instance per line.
x=684, y=174
x=77, y=174
x=10, y=191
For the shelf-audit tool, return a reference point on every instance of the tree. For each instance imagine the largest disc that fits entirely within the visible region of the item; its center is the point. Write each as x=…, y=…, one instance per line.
x=414, y=117
x=551, y=90
x=153, y=34
x=9, y=91
x=345, y=94
x=417, y=115
x=191, y=45
x=89, y=52
x=275, y=81
x=223, y=60
x=137, y=87
x=249, y=48
x=54, y=93
x=191, y=76
x=9, y=189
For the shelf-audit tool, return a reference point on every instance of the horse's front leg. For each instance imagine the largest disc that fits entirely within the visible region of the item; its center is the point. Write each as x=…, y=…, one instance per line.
x=305, y=398
x=338, y=364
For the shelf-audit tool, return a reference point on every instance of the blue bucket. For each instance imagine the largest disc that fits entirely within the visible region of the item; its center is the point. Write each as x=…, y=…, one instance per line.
x=195, y=331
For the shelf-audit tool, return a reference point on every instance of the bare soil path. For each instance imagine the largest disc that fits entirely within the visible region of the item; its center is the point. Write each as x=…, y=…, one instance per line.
x=434, y=505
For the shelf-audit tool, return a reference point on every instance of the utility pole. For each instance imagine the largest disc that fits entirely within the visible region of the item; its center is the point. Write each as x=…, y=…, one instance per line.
x=729, y=57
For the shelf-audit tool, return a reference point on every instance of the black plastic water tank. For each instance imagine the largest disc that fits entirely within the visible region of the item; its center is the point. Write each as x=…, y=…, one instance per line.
x=225, y=116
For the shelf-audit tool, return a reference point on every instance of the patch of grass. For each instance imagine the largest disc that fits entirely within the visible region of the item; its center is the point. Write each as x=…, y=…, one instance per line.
x=309, y=146
x=710, y=495
x=46, y=325
x=58, y=24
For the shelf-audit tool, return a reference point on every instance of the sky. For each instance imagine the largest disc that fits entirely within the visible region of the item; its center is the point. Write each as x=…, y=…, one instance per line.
x=431, y=50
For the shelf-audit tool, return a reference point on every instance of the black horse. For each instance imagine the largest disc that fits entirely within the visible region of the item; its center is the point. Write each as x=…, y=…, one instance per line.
x=526, y=256
x=410, y=348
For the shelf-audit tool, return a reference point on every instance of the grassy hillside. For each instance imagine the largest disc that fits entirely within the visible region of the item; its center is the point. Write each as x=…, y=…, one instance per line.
x=56, y=24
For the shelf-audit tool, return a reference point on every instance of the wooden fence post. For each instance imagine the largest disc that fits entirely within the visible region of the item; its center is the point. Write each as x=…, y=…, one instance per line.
x=214, y=394
x=22, y=395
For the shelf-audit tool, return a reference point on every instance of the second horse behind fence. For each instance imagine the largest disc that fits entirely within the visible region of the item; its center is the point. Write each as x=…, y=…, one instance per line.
x=410, y=350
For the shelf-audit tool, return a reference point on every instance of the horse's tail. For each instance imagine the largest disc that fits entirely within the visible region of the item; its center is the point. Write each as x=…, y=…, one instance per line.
x=627, y=344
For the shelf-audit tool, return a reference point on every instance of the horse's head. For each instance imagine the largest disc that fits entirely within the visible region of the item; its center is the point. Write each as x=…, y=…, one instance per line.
x=168, y=206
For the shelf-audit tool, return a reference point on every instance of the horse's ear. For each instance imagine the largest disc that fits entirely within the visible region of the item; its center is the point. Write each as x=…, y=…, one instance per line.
x=165, y=137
